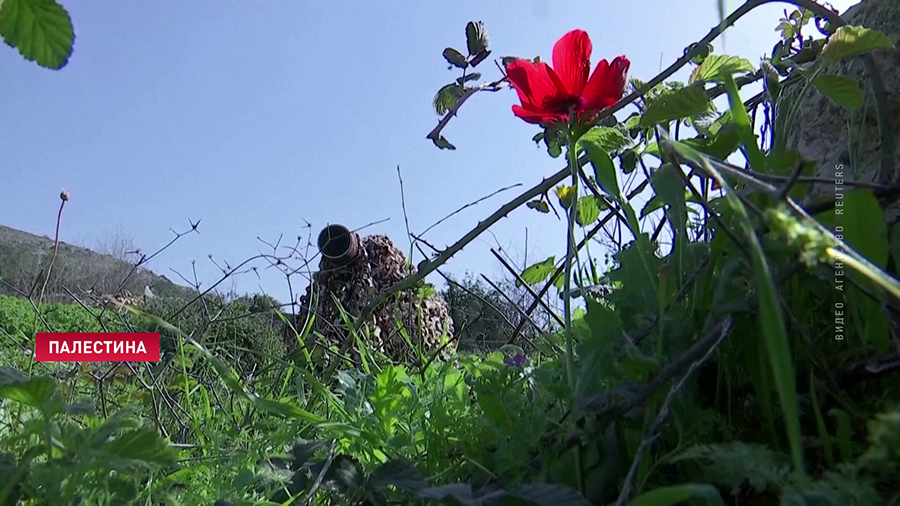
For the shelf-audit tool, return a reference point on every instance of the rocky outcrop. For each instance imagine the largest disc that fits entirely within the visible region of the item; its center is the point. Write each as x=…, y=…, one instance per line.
x=821, y=131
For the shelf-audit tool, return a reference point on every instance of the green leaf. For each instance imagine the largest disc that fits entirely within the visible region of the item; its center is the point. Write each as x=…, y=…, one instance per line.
x=864, y=227
x=895, y=243
x=588, y=210
x=604, y=170
x=653, y=204
x=476, y=37
x=842, y=90
x=721, y=144
x=399, y=473
x=670, y=187
x=715, y=67
x=455, y=58
x=442, y=143
x=633, y=121
x=231, y=380
x=446, y=98
x=538, y=272
x=40, y=29
x=682, y=103
x=553, y=138
x=853, y=40
x=540, y=206
x=745, y=128
x=770, y=313
x=549, y=494
x=33, y=392
x=474, y=76
x=628, y=161
x=610, y=139
x=678, y=494
x=139, y=446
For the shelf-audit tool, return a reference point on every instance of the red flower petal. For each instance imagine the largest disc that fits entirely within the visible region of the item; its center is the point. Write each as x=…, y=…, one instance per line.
x=533, y=82
x=606, y=84
x=572, y=60
x=533, y=116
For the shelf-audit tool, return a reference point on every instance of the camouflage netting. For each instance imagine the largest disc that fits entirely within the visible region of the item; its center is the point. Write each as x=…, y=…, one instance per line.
x=378, y=266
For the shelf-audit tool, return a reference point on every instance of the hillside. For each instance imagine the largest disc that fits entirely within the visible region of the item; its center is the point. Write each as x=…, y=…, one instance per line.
x=25, y=256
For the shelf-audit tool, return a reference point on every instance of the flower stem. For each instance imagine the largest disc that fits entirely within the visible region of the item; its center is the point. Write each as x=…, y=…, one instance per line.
x=570, y=252
x=567, y=286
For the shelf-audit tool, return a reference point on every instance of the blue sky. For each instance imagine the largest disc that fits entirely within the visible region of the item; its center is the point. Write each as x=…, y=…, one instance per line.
x=258, y=117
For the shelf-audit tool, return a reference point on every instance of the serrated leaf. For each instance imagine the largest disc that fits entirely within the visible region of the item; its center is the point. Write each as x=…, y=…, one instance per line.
x=139, y=446
x=538, y=273
x=610, y=139
x=588, y=211
x=455, y=58
x=548, y=494
x=40, y=29
x=842, y=90
x=32, y=392
x=401, y=474
x=679, y=104
x=853, y=40
x=540, y=206
x=446, y=98
x=633, y=122
x=715, y=67
x=476, y=37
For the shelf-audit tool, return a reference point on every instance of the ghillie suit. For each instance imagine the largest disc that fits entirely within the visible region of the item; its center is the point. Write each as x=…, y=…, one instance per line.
x=377, y=266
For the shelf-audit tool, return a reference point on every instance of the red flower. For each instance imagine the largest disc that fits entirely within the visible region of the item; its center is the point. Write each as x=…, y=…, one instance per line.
x=547, y=93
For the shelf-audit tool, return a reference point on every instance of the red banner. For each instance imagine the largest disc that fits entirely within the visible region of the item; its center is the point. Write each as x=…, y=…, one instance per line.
x=97, y=347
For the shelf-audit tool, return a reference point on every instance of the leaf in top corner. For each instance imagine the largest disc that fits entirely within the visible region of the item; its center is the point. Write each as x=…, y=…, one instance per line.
x=476, y=37
x=41, y=30
x=853, y=40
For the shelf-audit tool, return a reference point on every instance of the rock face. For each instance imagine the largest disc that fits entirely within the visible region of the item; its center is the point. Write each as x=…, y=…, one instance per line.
x=821, y=132
x=379, y=265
